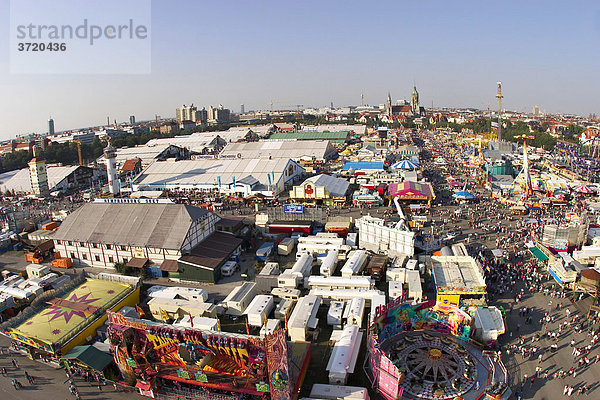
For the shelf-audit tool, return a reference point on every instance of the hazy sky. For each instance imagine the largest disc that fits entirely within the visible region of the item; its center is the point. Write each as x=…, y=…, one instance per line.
x=316, y=52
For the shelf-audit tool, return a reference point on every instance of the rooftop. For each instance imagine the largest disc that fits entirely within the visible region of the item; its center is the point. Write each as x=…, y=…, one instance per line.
x=210, y=171
x=20, y=182
x=338, y=137
x=71, y=312
x=294, y=149
x=161, y=226
x=212, y=251
x=335, y=186
x=457, y=273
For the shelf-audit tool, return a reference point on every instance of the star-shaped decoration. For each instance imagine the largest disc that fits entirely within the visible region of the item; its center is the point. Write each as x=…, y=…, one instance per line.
x=59, y=311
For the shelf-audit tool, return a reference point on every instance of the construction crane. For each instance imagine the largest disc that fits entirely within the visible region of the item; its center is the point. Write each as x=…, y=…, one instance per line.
x=271, y=102
x=78, y=143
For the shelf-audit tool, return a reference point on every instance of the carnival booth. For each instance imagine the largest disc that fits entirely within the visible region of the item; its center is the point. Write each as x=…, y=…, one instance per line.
x=164, y=356
x=422, y=351
x=411, y=191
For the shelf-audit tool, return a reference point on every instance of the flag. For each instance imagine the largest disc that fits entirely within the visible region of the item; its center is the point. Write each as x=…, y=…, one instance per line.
x=192, y=320
x=247, y=327
x=140, y=312
x=164, y=315
x=218, y=324
x=265, y=320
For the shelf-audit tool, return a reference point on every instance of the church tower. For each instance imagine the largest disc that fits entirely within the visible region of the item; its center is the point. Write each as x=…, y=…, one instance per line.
x=414, y=102
x=388, y=105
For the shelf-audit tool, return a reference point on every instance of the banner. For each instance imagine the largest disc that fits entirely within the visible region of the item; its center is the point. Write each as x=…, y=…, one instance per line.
x=277, y=363
x=293, y=208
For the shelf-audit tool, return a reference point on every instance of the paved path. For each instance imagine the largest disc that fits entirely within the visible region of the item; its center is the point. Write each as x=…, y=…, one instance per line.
x=49, y=382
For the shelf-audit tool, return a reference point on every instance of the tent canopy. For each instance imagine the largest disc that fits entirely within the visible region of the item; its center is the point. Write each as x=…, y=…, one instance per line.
x=90, y=356
x=404, y=164
x=463, y=195
x=585, y=189
x=409, y=190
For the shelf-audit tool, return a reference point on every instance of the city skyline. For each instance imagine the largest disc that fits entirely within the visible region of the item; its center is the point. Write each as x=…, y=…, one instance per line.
x=315, y=53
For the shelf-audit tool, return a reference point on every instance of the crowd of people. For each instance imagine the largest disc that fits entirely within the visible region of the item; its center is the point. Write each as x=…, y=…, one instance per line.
x=516, y=279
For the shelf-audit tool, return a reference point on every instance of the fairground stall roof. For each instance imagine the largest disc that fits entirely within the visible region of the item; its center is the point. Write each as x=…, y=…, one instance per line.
x=409, y=190
x=67, y=316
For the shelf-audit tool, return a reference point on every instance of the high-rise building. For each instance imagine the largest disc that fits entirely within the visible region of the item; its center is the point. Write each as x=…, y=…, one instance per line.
x=242, y=109
x=218, y=115
x=38, y=175
x=202, y=115
x=110, y=153
x=132, y=119
x=186, y=113
x=50, y=127
x=536, y=110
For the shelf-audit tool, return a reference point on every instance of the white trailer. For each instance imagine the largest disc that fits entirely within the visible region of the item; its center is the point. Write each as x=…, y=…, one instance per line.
x=284, y=309
x=339, y=282
x=338, y=392
x=259, y=309
x=335, y=314
x=322, y=243
x=345, y=352
x=240, y=297
x=415, y=290
x=329, y=263
x=395, y=289
x=355, y=264
x=352, y=239
x=355, y=311
x=271, y=326
x=286, y=246
x=303, y=320
x=292, y=278
x=203, y=323
x=347, y=294
x=395, y=274
x=285, y=293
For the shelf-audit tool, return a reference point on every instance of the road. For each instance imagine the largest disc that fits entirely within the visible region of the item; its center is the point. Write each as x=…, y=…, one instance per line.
x=49, y=381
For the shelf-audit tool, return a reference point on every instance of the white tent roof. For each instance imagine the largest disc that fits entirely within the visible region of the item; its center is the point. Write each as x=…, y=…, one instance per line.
x=20, y=182
x=294, y=149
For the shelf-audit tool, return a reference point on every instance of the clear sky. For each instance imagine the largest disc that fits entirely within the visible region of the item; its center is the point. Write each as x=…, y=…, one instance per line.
x=308, y=52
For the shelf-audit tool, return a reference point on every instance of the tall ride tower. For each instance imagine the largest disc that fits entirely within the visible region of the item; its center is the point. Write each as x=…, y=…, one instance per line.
x=110, y=153
x=499, y=97
x=524, y=178
x=37, y=174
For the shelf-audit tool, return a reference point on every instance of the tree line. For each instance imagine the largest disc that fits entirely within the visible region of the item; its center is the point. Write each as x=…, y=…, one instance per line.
x=66, y=152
